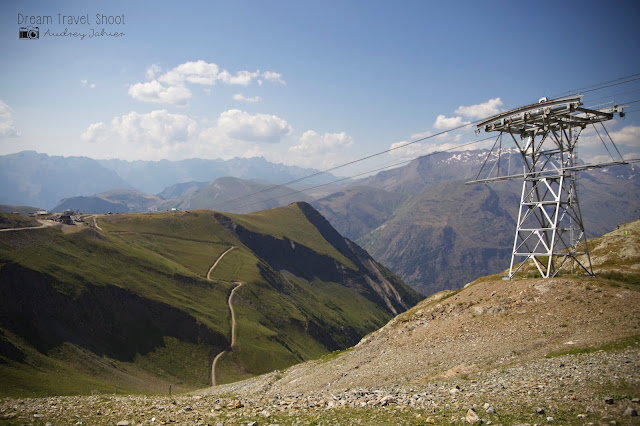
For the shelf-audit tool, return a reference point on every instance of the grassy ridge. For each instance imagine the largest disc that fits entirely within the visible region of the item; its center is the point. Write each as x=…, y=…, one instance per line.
x=291, y=223
x=163, y=258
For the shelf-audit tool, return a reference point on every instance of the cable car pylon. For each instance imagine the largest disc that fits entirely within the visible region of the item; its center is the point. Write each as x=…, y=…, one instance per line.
x=550, y=231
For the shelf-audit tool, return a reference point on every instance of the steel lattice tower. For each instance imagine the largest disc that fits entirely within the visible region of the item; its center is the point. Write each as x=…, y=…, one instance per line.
x=550, y=231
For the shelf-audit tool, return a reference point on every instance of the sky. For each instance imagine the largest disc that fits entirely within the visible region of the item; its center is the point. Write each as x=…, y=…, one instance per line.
x=312, y=84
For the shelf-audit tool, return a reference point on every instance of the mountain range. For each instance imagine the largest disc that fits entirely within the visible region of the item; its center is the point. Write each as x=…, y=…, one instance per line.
x=420, y=220
x=33, y=179
x=230, y=194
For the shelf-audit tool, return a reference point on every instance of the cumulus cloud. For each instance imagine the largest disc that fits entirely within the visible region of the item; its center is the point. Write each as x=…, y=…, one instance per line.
x=171, y=87
x=155, y=92
x=628, y=135
x=85, y=83
x=484, y=110
x=312, y=142
x=199, y=72
x=163, y=135
x=157, y=127
x=243, y=78
x=7, y=125
x=257, y=127
x=443, y=122
x=593, y=140
x=320, y=151
x=240, y=97
x=96, y=132
x=153, y=135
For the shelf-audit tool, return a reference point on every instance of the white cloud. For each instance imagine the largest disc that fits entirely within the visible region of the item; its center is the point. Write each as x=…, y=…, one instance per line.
x=628, y=135
x=258, y=127
x=420, y=135
x=152, y=71
x=240, y=97
x=85, y=83
x=96, y=132
x=402, y=149
x=170, y=87
x=484, y=110
x=163, y=135
x=273, y=77
x=157, y=128
x=631, y=155
x=243, y=78
x=312, y=142
x=7, y=125
x=155, y=92
x=199, y=72
x=593, y=139
x=443, y=122
x=155, y=135
x=320, y=151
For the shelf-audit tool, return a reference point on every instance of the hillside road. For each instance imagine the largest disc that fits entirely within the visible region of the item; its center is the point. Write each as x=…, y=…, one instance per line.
x=233, y=317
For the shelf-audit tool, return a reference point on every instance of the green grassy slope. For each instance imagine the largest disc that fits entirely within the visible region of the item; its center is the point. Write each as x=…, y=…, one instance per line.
x=130, y=305
x=162, y=277
x=290, y=222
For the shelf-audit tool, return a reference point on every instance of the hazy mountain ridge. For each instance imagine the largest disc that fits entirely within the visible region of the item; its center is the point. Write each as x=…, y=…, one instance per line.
x=154, y=176
x=181, y=189
x=227, y=193
x=114, y=201
x=30, y=178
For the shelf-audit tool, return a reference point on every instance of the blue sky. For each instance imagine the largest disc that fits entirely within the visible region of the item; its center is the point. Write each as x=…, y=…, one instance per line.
x=313, y=84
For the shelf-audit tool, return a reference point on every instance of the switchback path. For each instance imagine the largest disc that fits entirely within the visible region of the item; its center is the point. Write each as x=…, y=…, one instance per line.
x=233, y=318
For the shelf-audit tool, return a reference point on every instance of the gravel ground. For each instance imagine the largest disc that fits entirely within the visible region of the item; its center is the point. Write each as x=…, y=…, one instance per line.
x=542, y=391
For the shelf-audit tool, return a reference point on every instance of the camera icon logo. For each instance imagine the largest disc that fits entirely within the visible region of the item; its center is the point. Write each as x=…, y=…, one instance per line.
x=25, y=33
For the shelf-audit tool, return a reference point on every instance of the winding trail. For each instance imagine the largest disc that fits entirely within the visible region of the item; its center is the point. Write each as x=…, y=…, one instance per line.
x=233, y=318
x=218, y=260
